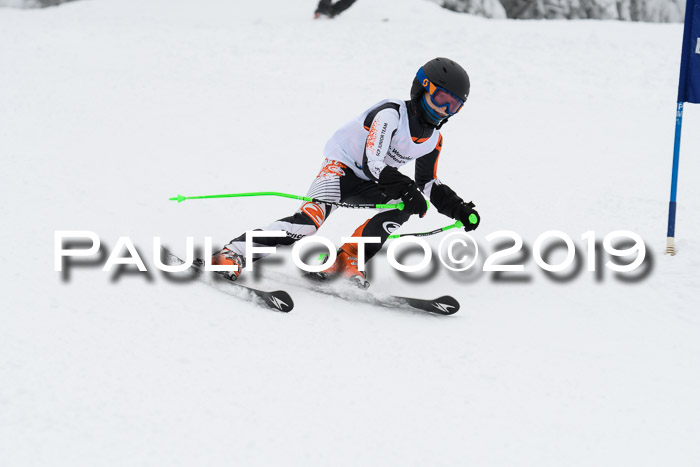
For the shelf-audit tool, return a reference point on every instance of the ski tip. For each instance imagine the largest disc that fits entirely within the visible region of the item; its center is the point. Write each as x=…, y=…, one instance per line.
x=279, y=300
x=445, y=305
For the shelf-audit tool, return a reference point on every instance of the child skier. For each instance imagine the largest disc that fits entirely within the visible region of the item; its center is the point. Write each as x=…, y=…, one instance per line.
x=361, y=166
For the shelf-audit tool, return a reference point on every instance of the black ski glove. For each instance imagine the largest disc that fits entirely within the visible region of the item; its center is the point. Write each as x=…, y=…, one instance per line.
x=468, y=216
x=413, y=201
x=448, y=203
x=394, y=184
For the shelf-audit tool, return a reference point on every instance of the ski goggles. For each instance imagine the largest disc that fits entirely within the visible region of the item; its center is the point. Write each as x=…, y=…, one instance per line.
x=441, y=97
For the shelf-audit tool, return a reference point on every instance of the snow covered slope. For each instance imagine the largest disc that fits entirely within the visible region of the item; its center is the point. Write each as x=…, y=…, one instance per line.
x=108, y=108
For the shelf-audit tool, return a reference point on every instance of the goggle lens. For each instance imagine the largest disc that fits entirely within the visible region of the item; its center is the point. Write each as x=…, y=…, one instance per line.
x=442, y=98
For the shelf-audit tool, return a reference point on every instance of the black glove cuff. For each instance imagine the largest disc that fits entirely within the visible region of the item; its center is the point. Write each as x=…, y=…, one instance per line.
x=446, y=201
x=393, y=183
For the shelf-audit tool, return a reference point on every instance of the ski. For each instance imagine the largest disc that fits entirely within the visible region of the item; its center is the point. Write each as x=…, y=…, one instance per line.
x=277, y=300
x=445, y=305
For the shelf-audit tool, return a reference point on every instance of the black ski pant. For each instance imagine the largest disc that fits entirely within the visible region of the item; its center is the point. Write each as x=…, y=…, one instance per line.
x=337, y=183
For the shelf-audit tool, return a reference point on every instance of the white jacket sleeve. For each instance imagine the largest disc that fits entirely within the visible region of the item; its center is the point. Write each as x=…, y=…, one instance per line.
x=382, y=129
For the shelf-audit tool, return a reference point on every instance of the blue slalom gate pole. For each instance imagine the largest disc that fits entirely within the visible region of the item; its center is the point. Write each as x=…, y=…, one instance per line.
x=671, y=232
x=688, y=91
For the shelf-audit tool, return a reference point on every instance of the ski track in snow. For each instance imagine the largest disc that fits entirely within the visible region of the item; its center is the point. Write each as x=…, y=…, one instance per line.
x=108, y=108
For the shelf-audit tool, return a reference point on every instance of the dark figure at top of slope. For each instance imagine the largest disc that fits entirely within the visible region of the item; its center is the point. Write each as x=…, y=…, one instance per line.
x=330, y=10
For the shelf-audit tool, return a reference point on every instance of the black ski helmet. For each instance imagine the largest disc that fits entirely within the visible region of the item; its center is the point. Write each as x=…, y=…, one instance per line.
x=446, y=74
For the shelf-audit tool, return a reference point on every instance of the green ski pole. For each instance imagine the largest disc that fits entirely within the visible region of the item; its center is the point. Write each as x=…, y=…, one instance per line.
x=456, y=225
x=399, y=206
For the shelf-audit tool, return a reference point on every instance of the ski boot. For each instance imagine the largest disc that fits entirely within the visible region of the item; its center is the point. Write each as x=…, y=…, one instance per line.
x=345, y=266
x=227, y=257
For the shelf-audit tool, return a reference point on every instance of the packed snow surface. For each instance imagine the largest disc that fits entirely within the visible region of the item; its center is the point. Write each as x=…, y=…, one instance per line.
x=108, y=108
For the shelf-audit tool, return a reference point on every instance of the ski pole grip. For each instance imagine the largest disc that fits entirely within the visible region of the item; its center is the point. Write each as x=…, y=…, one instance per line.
x=398, y=206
